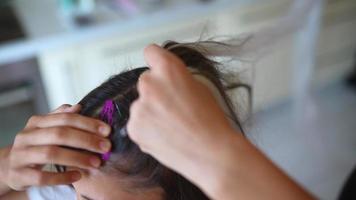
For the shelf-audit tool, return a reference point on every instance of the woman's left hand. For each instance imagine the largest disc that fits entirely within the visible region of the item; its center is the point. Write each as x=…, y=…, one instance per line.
x=43, y=141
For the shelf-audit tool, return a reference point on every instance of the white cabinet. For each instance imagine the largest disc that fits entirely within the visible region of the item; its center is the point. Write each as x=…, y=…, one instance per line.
x=70, y=72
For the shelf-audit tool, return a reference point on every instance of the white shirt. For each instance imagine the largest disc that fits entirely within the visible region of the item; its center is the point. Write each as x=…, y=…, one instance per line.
x=60, y=192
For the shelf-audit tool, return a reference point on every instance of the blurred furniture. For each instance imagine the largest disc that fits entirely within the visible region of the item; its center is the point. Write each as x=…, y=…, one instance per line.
x=10, y=27
x=21, y=96
x=85, y=64
x=21, y=90
x=21, y=82
x=351, y=80
x=73, y=61
x=21, y=75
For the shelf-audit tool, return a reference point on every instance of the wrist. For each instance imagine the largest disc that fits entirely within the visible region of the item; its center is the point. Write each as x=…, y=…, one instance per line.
x=220, y=173
x=227, y=171
x=246, y=174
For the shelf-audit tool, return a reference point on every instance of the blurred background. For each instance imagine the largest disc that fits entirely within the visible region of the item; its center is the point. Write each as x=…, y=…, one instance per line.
x=303, y=90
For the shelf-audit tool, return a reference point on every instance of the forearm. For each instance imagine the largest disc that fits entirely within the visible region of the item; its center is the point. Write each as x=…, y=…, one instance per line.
x=4, y=152
x=248, y=174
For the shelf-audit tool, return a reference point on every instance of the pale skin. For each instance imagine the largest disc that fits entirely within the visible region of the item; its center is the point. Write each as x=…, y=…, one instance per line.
x=96, y=185
x=38, y=144
x=177, y=121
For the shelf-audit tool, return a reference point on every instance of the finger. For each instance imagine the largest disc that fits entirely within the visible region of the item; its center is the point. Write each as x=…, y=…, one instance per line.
x=67, y=108
x=72, y=120
x=145, y=85
x=40, y=155
x=62, y=108
x=64, y=136
x=74, y=109
x=33, y=177
x=161, y=60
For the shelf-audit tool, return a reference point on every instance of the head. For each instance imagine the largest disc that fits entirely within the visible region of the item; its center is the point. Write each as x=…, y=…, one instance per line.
x=130, y=173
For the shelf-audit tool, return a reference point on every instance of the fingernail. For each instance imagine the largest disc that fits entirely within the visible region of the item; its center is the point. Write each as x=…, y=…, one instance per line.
x=68, y=107
x=71, y=108
x=105, y=146
x=95, y=162
x=105, y=130
x=76, y=176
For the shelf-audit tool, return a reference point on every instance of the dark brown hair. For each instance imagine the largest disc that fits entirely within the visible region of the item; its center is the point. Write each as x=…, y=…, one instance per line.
x=140, y=169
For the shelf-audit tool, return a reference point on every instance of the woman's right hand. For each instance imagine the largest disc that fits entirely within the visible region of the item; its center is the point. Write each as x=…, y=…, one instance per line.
x=44, y=140
x=177, y=120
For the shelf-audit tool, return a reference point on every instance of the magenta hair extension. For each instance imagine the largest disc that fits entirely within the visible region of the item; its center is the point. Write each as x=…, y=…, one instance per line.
x=107, y=115
x=107, y=112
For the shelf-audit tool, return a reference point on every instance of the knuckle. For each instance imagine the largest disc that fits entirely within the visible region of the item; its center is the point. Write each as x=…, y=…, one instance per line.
x=33, y=119
x=58, y=133
x=93, y=143
x=144, y=82
x=49, y=153
x=90, y=141
x=87, y=141
x=164, y=61
x=167, y=69
x=65, y=118
x=19, y=139
x=38, y=179
x=148, y=90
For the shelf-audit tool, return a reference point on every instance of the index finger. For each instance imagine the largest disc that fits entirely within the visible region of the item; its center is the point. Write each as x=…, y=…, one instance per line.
x=161, y=60
x=67, y=108
x=72, y=120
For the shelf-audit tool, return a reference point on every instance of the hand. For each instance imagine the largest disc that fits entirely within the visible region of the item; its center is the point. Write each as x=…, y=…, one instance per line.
x=44, y=140
x=177, y=120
